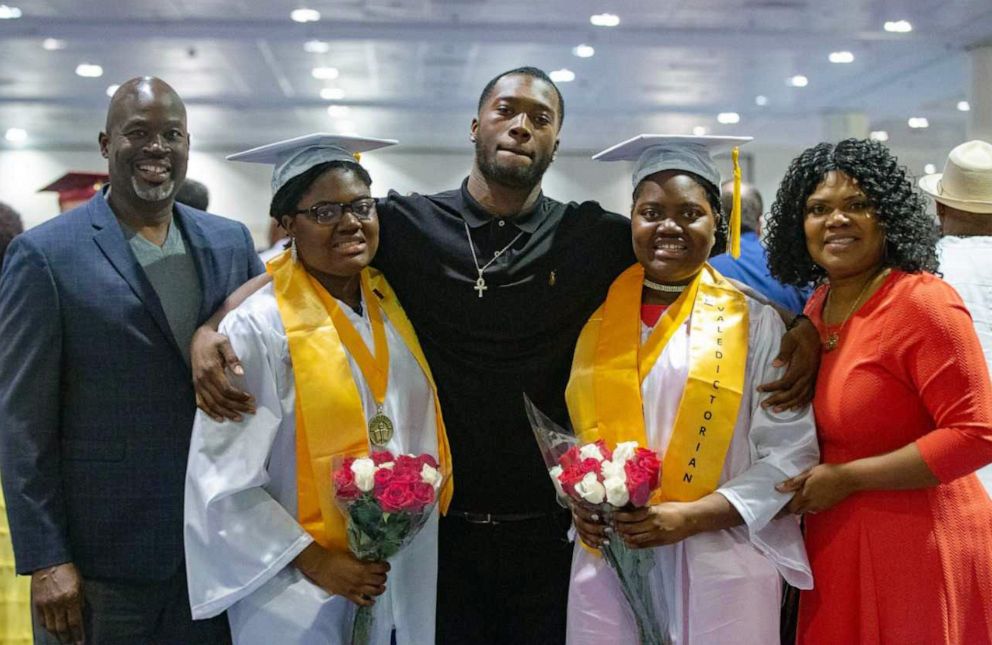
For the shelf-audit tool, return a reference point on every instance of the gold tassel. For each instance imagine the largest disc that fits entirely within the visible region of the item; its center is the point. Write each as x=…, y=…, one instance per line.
x=735, y=213
x=357, y=156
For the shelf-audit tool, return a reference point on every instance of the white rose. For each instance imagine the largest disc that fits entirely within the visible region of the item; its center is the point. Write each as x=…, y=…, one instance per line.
x=613, y=469
x=590, y=450
x=624, y=451
x=616, y=491
x=430, y=475
x=590, y=489
x=364, y=470
x=555, y=473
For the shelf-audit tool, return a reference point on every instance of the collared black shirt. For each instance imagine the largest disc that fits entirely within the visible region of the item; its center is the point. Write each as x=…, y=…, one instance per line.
x=485, y=353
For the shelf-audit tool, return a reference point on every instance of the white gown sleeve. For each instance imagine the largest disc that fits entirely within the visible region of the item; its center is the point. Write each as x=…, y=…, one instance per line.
x=238, y=531
x=781, y=445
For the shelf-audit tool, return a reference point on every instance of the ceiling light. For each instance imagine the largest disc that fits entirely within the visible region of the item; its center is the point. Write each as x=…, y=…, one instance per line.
x=325, y=73
x=52, y=44
x=16, y=135
x=797, y=81
x=305, y=15
x=584, y=51
x=878, y=135
x=89, y=70
x=761, y=100
x=917, y=122
x=9, y=13
x=112, y=89
x=728, y=117
x=698, y=131
x=964, y=106
x=345, y=127
x=316, y=47
x=338, y=111
x=898, y=26
x=929, y=169
x=841, y=57
x=332, y=94
x=562, y=75
x=605, y=20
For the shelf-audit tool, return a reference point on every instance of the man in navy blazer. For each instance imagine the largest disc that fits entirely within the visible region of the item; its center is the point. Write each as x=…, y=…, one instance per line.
x=97, y=308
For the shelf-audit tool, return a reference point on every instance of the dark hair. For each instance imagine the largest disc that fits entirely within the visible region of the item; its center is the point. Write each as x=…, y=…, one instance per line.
x=533, y=72
x=910, y=235
x=193, y=193
x=289, y=194
x=713, y=197
x=10, y=227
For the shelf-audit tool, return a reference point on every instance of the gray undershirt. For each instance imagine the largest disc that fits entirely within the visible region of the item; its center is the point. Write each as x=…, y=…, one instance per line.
x=172, y=272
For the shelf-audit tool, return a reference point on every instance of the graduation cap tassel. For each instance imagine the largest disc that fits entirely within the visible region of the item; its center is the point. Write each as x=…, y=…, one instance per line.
x=735, y=213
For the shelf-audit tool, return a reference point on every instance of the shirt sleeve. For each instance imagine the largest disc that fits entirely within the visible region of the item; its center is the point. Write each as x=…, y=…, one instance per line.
x=30, y=405
x=237, y=535
x=940, y=352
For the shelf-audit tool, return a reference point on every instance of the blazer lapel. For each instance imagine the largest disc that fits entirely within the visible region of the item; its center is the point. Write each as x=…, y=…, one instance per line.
x=110, y=238
x=205, y=260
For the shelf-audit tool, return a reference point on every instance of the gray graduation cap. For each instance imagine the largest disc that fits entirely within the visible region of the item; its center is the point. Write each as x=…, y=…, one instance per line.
x=656, y=152
x=295, y=156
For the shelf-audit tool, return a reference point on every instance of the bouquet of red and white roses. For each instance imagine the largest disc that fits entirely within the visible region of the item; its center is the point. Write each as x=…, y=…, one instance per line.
x=608, y=480
x=387, y=499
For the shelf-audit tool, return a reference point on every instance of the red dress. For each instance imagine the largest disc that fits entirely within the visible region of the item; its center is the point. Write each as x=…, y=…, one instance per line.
x=911, y=566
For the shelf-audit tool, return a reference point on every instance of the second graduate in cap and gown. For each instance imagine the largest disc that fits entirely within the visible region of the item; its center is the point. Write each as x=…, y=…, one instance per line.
x=672, y=360
x=325, y=347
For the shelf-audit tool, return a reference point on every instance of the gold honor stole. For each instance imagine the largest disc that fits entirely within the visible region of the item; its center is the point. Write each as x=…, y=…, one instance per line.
x=330, y=421
x=610, y=363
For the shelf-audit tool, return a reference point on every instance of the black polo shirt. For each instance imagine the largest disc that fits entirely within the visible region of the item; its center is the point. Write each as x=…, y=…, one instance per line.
x=485, y=353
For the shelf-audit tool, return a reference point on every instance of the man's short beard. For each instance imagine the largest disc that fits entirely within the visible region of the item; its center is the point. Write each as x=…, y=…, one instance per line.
x=512, y=177
x=153, y=193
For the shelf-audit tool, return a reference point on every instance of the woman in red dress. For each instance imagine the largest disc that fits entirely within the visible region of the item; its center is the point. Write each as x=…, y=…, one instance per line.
x=898, y=528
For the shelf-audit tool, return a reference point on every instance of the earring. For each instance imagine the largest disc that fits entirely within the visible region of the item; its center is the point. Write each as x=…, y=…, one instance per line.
x=292, y=250
x=472, y=138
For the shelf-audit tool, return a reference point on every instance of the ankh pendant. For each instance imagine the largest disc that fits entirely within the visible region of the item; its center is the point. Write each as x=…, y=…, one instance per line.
x=480, y=285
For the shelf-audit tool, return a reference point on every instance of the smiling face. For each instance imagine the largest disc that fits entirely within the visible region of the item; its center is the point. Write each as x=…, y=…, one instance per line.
x=673, y=227
x=342, y=249
x=843, y=234
x=516, y=132
x=146, y=144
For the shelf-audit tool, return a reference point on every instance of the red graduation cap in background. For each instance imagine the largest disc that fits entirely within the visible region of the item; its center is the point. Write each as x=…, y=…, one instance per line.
x=75, y=188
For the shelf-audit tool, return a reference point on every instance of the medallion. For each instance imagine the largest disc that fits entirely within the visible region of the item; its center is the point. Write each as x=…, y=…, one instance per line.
x=831, y=342
x=380, y=429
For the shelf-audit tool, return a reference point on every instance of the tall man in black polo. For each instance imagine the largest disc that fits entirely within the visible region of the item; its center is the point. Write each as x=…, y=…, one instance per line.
x=498, y=280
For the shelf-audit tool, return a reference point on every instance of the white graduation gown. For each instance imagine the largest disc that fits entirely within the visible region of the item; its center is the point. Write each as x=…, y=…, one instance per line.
x=241, y=530
x=720, y=586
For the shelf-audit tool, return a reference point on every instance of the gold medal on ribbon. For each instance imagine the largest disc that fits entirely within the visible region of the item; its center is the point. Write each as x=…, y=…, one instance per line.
x=380, y=429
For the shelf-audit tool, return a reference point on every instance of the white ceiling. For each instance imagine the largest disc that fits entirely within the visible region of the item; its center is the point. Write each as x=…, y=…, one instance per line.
x=413, y=69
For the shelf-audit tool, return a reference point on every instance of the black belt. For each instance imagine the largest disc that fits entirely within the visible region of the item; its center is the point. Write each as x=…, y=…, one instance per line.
x=498, y=518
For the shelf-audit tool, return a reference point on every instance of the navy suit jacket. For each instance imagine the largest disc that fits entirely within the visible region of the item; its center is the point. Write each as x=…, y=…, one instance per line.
x=96, y=400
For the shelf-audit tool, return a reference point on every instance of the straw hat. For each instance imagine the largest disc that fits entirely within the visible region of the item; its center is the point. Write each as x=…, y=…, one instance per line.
x=966, y=183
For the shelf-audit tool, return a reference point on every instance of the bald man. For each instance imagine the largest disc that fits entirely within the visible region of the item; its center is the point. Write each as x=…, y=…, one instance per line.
x=97, y=308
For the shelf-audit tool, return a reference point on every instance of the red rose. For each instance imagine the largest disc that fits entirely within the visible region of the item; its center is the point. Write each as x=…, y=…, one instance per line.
x=569, y=478
x=427, y=459
x=606, y=452
x=406, y=461
x=344, y=484
x=423, y=494
x=383, y=476
x=570, y=458
x=591, y=465
x=381, y=457
x=406, y=475
x=394, y=497
x=638, y=483
x=648, y=461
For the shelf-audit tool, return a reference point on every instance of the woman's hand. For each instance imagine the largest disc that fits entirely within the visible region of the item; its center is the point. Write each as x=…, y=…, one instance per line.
x=342, y=574
x=658, y=525
x=210, y=353
x=819, y=488
x=800, y=353
x=590, y=525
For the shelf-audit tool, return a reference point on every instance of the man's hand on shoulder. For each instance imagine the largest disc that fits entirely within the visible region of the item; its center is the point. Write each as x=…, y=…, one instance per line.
x=211, y=354
x=57, y=595
x=800, y=353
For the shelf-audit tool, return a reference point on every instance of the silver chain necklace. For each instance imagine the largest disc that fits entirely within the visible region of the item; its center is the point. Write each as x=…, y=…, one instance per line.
x=480, y=284
x=667, y=288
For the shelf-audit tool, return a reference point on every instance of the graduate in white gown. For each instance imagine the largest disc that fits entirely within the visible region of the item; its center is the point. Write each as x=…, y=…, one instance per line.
x=673, y=360
x=263, y=539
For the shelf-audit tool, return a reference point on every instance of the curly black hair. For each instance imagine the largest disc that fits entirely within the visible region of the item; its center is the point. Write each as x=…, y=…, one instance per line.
x=721, y=230
x=910, y=234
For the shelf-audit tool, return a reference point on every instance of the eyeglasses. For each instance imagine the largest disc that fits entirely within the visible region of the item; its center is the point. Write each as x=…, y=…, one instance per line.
x=329, y=213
